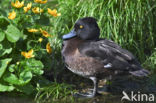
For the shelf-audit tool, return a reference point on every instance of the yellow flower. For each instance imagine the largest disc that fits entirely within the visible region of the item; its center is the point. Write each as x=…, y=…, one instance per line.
x=45, y=33
x=40, y=40
x=32, y=30
x=53, y=12
x=37, y=10
x=28, y=7
x=41, y=1
x=48, y=48
x=12, y=15
x=17, y=4
x=28, y=54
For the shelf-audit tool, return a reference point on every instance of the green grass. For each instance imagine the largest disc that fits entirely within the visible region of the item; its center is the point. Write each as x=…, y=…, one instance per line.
x=151, y=62
x=53, y=91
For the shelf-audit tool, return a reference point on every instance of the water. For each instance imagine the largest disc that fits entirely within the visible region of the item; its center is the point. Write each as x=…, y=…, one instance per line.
x=106, y=98
x=13, y=99
x=100, y=99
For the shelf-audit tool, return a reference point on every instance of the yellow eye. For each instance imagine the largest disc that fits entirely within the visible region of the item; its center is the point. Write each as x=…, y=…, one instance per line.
x=81, y=26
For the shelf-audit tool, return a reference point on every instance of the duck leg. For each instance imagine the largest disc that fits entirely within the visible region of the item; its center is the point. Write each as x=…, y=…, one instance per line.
x=94, y=93
x=94, y=79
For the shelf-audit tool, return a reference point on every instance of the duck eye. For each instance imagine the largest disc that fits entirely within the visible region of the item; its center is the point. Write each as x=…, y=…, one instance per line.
x=81, y=26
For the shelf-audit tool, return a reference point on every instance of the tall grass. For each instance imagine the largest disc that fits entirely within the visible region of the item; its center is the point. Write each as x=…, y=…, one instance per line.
x=130, y=23
x=53, y=91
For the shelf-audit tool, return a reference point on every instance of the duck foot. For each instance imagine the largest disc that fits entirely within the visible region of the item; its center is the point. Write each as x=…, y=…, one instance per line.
x=91, y=95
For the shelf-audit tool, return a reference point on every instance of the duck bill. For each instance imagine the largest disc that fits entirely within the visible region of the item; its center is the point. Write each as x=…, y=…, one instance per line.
x=69, y=35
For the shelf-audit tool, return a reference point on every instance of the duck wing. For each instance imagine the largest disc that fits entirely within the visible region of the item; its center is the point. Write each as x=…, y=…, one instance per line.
x=110, y=54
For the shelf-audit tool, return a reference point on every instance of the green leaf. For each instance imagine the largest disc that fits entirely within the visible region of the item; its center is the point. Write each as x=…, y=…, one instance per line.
x=2, y=35
x=3, y=65
x=35, y=66
x=11, y=78
x=4, y=88
x=25, y=77
x=3, y=22
x=12, y=33
x=5, y=48
x=12, y=68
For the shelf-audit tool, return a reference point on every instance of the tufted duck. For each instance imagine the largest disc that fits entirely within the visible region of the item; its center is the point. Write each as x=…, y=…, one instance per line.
x=89, y=56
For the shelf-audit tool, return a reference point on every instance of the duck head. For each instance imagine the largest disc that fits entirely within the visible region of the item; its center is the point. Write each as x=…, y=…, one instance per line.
x=85, y=28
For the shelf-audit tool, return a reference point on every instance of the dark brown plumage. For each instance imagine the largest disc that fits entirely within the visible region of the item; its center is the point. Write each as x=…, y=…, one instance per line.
x=89, y=56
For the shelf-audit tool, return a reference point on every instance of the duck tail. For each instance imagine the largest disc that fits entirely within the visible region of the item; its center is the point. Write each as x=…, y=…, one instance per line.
x=140, y=73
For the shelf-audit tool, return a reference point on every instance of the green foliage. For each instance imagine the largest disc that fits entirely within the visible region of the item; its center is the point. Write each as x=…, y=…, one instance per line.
x=5, y=48
x=52, y=92
x=150, y=63
x=3, y=22
x=4, y=88
x=22, y=54
x=35, y=66
x=2, y=35
x=12, y=33
x=3, y=65
x=24, y=78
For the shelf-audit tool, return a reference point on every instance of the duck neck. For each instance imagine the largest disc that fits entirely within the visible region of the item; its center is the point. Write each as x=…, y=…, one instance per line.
x=71, y=45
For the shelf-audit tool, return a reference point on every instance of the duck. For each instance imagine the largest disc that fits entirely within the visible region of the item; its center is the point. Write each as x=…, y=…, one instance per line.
x=87, y=55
